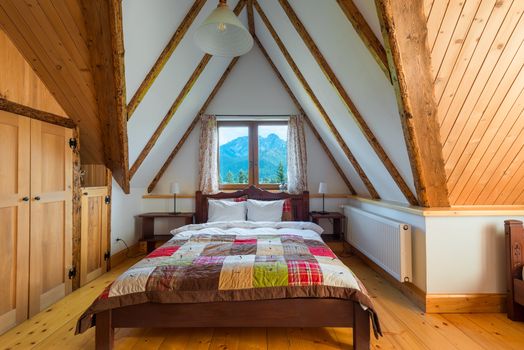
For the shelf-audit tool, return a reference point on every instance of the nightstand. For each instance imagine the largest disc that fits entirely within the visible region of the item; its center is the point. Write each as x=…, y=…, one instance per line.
x=148, y=227
x=335, y=218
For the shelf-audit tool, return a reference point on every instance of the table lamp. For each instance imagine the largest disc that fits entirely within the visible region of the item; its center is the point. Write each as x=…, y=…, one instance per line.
x=322, y=188
x=175, y=189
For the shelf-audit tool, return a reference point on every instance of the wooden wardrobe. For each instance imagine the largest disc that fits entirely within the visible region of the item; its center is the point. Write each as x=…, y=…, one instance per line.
x=36, y=169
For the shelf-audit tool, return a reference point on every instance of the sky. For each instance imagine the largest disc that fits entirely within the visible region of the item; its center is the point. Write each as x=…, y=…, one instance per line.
x=226, y=134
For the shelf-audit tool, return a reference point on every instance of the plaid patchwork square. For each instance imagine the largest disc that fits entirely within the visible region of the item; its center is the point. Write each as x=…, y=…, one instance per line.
x=270, y=245
x=164, y=278
x=286, y=208
x=295, y=249
x=304, y=273
x=237, y=272
x=270, y=271
x=132, y=281
x=163, y=251
x=336, y=274
x=223, y=238
x=209, y=260
x=198, y=278
x=322, y=251
x=243, y=249
x=217, y=249
x=315, y=243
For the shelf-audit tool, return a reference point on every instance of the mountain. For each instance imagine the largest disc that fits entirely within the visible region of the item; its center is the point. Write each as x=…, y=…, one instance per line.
x=234, y=158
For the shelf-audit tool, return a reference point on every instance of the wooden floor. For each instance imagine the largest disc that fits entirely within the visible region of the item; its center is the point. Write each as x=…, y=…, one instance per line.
x=405, y=327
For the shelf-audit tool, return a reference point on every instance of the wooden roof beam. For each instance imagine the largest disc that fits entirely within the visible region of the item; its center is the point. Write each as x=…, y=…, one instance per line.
x=202, y=110
x=250, y=17
x=308, y=120
x=371, y=189
x=176, y=104
x=344, y=96
x=404, y=29
x=16, y=108
x=164, y=56
x=106, y=46
x=366, y=34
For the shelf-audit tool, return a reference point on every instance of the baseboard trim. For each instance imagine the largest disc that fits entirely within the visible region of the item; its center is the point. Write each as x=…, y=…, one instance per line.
x=465, y=303
x=121, y=256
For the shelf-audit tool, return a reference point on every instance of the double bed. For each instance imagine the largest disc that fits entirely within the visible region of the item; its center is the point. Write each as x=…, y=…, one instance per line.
x=237, y=274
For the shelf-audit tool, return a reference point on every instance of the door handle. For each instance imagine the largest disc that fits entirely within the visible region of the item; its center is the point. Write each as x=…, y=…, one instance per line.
x=37, y=198
x=25, y=199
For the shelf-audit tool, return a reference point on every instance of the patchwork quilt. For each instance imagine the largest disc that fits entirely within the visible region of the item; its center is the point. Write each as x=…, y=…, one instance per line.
x=235, y=262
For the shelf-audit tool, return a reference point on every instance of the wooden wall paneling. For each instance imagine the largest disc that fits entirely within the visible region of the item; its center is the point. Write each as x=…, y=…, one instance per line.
x=404, y=29
x=346, y=99
x=40, y=53
x=435, y=18
x=178, y=101
x=164, y=57
x=94, y=175
x=202, y=110
x=308, y=120
x=16, y=108
x=51, y=215
x=369, y=186
x=428, y=4
x=105, y=42
x=14, y=218
x=76, y=196
x=94, y=233
x=366, y=34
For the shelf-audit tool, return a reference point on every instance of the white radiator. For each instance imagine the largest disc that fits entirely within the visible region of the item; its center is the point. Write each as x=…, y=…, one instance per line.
x=384, y=241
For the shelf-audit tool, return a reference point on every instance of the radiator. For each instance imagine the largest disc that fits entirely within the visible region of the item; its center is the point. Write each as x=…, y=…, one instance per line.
x=386, y=242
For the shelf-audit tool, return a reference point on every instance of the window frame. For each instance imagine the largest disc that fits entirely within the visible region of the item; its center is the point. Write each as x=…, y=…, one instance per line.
x=253, y=171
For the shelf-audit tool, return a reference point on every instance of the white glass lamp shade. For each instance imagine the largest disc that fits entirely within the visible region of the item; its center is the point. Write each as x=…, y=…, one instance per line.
x=175, y=188
x=222, y=34
x=322, y=188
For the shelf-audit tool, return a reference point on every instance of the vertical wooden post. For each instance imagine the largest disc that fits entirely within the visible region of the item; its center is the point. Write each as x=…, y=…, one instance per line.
x=104, y=333
x=77, y=193
x=109, y=184
x=360, y=328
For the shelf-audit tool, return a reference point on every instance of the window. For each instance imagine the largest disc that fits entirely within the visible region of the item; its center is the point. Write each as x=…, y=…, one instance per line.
x=252, y=153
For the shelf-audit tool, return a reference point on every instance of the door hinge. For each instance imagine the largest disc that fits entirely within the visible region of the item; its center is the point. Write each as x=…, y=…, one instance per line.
x=107, y=199
x=72, y=143
x=107, y=255
x=72, y=272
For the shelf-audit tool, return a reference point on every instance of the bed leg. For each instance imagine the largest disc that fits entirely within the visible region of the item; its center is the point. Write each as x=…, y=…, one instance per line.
x=360, y=328
x=104, y=332
x=515, y=311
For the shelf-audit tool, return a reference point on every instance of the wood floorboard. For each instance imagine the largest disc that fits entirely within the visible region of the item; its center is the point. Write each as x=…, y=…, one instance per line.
x=404, y=326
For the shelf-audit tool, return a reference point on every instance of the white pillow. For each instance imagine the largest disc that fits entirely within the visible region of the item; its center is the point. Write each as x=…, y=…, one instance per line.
x=264, y=210
x=224, y=210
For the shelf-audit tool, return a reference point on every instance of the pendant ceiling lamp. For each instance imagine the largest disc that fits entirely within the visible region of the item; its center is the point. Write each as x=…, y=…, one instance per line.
x=222, y=33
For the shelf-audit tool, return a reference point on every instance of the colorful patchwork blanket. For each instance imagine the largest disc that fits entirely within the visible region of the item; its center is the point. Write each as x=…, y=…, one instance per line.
x=235, y=262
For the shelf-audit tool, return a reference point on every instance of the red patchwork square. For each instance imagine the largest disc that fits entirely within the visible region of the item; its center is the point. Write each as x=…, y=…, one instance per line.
x=322, y=251
x=105, y=293
x=304, y=273
x=245, y=241
x=164, y=251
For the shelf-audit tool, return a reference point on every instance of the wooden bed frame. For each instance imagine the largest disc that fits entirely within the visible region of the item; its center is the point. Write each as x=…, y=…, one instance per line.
x=515, y=261
x=297, y=312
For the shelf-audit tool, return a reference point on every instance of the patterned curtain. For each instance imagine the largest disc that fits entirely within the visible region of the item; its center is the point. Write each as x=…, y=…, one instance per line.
x=296, y=155
x=208, y=154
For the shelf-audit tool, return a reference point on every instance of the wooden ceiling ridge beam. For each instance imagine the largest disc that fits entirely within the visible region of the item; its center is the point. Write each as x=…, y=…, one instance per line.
x=103, y=20
x=16, y=108
x=308, y=120
x=369, y=186
x=176, y=104
x=366, y=34
x=190, y=128
x=166, y=53
x=352, y=108
x=404, y=29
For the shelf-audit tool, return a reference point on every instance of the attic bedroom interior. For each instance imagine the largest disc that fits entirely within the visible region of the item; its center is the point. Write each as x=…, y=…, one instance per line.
x=261, y=174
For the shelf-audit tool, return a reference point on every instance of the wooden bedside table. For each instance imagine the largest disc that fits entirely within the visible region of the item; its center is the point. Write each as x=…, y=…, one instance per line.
x=148, y=227
x=337, y=223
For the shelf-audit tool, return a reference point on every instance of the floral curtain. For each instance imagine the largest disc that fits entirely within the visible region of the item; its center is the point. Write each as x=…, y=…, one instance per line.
x=208, y=157
x=296, y=155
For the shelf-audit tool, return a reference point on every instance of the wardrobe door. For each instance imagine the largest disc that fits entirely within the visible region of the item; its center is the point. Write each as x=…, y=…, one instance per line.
x=51, y=215
x=94, y=229
x=14, y=218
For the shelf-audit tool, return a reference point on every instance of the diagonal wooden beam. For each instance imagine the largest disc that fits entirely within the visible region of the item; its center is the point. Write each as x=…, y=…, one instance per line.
x=366, y=34
x=176, y=104
x=164, y=56
x=250, y=17
x=180, y=143
x=371, y=189
x=106, y=47
x=344, y=96
x=16, y=108
x=308, y=120
x=404, y=29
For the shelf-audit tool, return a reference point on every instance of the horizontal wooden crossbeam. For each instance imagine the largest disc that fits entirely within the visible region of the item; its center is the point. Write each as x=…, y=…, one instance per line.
x=16, y=108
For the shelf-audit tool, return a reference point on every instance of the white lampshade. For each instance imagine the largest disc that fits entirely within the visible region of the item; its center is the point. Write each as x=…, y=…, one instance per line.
x=222, y=34
x=175, y=188
x=322, y=188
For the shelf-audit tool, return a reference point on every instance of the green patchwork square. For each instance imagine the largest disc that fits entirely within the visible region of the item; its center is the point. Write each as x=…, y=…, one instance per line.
x=270, y=272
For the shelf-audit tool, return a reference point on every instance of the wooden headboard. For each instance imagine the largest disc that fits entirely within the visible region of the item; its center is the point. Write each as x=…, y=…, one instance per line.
x=299, y=202
x=515, y=262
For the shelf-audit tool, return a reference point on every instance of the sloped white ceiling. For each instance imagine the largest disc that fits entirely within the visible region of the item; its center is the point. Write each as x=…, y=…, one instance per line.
x=149, y=25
